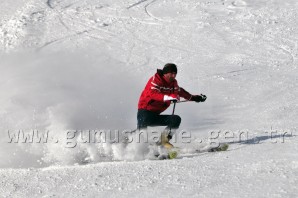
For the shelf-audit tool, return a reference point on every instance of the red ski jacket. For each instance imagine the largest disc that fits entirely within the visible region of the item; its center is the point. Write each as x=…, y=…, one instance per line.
x=152, y=96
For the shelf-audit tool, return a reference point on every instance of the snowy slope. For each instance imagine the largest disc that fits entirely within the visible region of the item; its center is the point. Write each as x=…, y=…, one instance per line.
x=81, y=65
x=251, y=171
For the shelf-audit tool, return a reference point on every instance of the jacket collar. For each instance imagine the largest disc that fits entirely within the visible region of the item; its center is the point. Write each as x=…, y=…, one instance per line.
x=159, y=72
x=161, y=76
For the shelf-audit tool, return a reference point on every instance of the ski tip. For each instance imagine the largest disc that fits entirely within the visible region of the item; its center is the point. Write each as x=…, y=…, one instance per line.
x=222, y=147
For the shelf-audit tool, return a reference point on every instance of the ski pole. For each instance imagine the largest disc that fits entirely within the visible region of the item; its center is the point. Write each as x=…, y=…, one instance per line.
x=174, y=101
x=184, y=101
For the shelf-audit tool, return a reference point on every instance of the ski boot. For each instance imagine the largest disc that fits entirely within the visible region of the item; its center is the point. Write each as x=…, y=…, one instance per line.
x=164, y=140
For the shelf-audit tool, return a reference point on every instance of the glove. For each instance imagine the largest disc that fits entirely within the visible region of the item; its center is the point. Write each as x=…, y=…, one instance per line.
x=198, y=98
x=171, y=97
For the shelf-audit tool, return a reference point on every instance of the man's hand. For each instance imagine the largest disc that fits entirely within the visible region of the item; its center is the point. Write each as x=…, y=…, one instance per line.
x=198, y=98
x=171, y=97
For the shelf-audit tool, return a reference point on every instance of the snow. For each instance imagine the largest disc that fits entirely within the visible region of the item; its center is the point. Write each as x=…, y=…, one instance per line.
x=70, y=66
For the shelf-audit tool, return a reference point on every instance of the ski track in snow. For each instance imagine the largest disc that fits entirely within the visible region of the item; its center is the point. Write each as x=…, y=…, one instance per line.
x=49, y=3
x=241, y=54
x=136, y=4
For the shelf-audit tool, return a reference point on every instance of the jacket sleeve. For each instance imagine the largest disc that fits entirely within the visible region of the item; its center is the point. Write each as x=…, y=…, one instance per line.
x=184, y=94
x=154, y=89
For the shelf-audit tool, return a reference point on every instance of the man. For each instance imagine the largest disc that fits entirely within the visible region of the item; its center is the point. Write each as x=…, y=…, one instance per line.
x=161, y=89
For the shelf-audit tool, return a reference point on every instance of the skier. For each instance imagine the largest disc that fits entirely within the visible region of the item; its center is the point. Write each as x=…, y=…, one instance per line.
x=160, y=90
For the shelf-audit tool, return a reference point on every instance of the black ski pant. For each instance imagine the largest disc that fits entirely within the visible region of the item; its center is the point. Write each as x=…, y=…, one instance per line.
x=148, y=118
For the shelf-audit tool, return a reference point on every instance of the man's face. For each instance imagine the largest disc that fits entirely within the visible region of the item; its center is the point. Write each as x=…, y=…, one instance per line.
x=170, y=77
